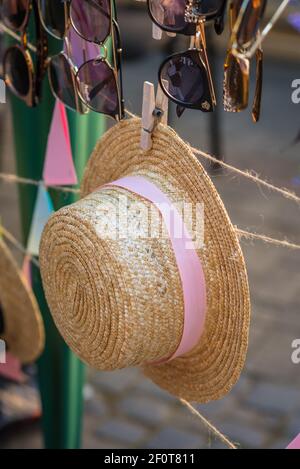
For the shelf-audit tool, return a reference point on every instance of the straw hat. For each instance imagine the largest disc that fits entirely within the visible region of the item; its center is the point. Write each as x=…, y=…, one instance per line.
x=23, y=330
x=120, y=302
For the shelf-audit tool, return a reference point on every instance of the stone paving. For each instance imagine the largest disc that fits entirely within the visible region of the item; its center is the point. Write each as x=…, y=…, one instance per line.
x=123, y=409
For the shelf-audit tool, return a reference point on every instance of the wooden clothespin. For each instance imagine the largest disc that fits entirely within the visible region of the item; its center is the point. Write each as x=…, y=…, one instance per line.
x=154, y=110
x=157, y=33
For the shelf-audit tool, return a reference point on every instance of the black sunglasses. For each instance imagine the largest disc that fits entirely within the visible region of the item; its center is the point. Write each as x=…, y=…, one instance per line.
x=182, y=16
x=189, y=77
x=21, y=74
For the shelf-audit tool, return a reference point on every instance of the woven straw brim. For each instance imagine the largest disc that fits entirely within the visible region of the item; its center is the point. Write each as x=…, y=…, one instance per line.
x=23, y=324
x=213, y=367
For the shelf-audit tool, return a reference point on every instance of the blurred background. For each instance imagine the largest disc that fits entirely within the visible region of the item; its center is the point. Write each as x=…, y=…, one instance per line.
x=123, y=409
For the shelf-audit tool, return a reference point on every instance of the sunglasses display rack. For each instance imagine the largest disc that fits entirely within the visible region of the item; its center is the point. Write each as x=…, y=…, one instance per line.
x=86, y=77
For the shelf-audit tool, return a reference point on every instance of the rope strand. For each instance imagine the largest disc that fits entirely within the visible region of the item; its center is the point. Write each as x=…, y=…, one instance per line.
x=266, y=239
x=209, y=425
x=10, y=237
x=14, y=178
x=246, y=174
x=252, y=177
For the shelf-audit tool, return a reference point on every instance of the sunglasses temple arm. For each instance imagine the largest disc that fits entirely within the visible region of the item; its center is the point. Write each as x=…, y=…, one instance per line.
x=258, y=88
x=220, y=20
x=68, y=51
x=205, y=57
x=237, y=23
x=41, y=53
x=117, y=52
x=261, y=36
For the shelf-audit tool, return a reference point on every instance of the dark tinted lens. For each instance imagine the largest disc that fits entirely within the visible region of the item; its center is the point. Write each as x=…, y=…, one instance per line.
x=168, y=13
x=62, y=80
x=250, y=22
x=14, y=12
x=98, y=87
x=236, y=84
x=185, y=77
x=53, y=16
x=16, y=71
x=78, y=49
x=209, y=7
x=91, y=19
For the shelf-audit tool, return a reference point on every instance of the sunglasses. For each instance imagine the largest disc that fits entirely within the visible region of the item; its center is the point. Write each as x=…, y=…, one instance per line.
x=188, y=76
x=96, y=82
x=91, y=19
x=254, y=45
x=237, y=67
x=20, y=74
x=247, y=23
x=182, y=16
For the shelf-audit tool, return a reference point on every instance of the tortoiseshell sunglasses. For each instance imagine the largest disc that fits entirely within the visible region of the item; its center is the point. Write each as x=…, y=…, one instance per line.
x=21, y=76
x=245, y=19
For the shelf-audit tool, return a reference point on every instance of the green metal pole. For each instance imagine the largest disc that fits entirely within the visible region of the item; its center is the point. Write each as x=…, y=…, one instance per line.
x=61, y=374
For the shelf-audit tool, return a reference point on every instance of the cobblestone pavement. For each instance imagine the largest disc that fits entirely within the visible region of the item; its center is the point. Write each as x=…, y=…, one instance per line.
x=123, y=409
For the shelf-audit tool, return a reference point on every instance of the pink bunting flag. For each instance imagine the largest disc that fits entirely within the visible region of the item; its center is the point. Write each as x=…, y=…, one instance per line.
x=26, y=269
x=11, y=369
x=295, y=444
x=59, y=168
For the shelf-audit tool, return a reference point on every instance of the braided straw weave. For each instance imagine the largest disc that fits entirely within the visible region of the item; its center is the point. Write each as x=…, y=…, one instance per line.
x=119, y=302
x=23, y=324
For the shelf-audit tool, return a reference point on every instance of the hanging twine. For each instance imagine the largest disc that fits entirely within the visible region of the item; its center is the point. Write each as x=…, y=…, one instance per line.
x=10, y=237
x=246, y=174
x=209, y=425
x=266, y=239
x=240, y=232
x=14, y=178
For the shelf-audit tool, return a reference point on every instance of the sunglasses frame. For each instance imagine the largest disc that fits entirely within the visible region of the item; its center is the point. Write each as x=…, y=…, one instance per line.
x=66, y=18
x=80, y=107
x=116, y=68
x=35, y=73
x=190, y=29
x=26, y=19
x=197, y=53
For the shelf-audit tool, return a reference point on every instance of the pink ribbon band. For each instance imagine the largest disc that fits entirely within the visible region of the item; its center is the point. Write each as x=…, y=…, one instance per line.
x=188, y=262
